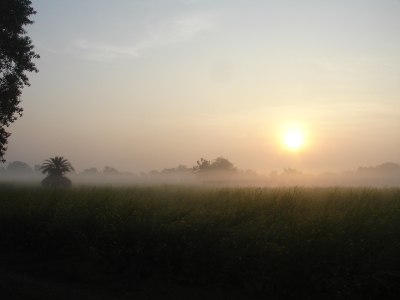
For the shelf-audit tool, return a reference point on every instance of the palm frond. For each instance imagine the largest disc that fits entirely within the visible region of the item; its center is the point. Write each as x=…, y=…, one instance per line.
x=56, y=166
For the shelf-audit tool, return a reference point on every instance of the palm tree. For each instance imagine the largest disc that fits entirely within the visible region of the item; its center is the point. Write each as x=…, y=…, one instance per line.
x=56, y=168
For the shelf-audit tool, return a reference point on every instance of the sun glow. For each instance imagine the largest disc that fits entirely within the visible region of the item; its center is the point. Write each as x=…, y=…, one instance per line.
x=293, y=139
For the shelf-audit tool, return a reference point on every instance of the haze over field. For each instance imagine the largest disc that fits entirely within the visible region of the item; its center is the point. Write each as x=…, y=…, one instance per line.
x=147, y=85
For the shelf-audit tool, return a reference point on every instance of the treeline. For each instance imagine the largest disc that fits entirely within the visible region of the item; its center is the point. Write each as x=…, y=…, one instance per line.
x=219, y=171
x=386, y=174
x=19, y=167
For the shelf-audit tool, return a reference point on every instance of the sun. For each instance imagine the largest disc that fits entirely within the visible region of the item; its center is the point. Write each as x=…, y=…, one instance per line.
x=293, y=139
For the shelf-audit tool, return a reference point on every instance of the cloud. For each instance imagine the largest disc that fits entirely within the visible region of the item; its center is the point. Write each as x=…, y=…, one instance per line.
x=176, y=30
x=157, y=33
x=41, y=46
x=102, y=52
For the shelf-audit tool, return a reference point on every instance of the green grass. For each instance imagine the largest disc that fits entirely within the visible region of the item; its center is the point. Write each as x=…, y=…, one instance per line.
x=336, y=243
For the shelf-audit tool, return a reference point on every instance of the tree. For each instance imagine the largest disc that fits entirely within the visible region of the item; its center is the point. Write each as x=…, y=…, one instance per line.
x=56, y=168
x=219, y=164
x=203, y=165
x=15, y=59
x=289, y=172
x=91, y=171
x=222, y=164
x=386, y=168
x=180, y=169
x=19, y=167
x=219, y=171
x=110, y=171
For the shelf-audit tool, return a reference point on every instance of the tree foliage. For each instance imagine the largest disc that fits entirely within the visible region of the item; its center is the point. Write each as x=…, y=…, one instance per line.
x=56, y=168
x=16, y=54
x=219, y=164
x=91, y=171
x=386, y=168
x=290, y=172
x=180, y=169
x=110, y=171
x=19, y=167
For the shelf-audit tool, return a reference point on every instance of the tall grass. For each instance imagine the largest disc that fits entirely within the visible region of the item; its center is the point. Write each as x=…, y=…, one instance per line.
x=288, y=242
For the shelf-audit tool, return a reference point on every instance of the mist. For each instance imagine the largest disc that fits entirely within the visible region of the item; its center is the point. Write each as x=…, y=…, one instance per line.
x=219, y=172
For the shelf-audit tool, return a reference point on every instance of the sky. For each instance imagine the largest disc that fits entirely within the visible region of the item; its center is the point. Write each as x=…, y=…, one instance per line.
x=150, y=84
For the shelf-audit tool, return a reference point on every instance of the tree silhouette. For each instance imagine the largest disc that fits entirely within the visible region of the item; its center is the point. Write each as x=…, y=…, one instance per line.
x=203, y=165
x=219, y=164
x=91, y=171
x=56, y=168
x=218, y=171
x=290, y=172
x=15, y=59
x=222, y=164
x=180, y=169
x=110, y=171
x=19, y=167
x=386, y=168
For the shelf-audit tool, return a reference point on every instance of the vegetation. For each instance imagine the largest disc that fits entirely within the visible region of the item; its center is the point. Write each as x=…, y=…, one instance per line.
x=56, y=168
x=16, y=57
x=18, y=167
x=313, y=243
x=219, y=164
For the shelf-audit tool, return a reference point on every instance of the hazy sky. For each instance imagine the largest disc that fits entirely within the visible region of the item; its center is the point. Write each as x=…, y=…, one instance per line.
x=148, y=84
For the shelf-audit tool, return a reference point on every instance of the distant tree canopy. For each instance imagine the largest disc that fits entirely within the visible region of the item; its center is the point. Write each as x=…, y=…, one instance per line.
x=179, y=169
x=110, y=171
x=15, y=59
x=219, y=164
x=91, y=171
x=18, y=167
x=388, y=167
x=290, y=172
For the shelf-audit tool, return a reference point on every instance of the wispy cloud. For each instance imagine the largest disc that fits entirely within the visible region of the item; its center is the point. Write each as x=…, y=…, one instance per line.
x=176, y=29
x=157, y=33
x=102, y=52
x=40, y=46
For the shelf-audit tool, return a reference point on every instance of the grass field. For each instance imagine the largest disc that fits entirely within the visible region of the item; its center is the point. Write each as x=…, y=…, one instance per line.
x=301, y=243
